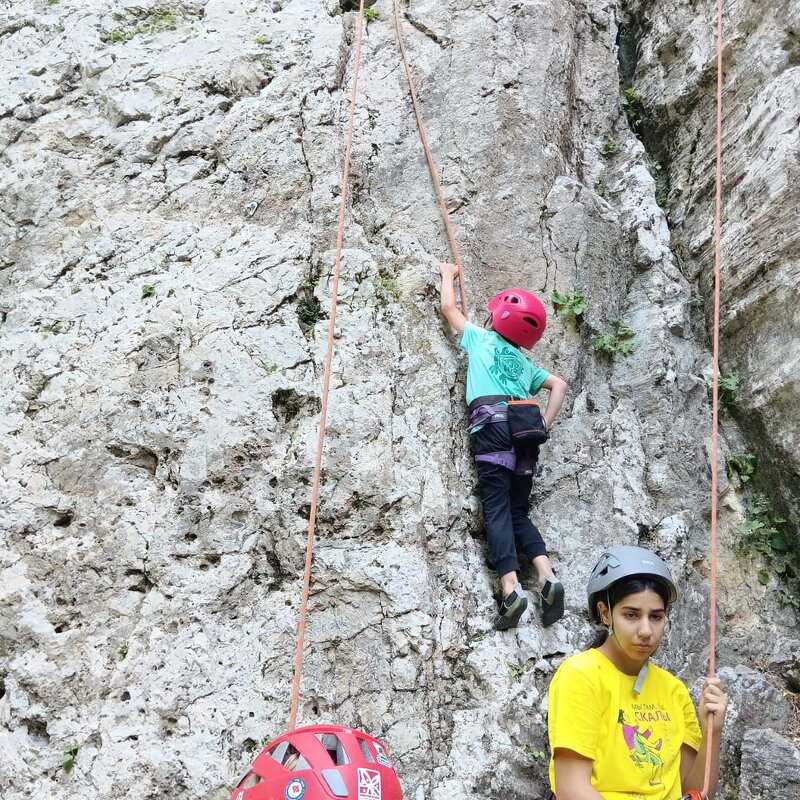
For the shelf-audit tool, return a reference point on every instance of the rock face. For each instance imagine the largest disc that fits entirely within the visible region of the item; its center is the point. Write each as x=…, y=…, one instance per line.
x=781, y=778
x=169, y=179
x=674, y=70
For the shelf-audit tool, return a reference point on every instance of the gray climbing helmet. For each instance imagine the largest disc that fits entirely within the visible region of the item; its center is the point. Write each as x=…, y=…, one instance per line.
x=626, y=561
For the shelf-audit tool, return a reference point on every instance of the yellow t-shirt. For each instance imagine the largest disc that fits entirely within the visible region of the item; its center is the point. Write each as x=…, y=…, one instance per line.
x=634, y=741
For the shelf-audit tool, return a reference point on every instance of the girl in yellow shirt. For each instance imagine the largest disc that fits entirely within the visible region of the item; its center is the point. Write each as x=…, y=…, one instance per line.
x=621, y=728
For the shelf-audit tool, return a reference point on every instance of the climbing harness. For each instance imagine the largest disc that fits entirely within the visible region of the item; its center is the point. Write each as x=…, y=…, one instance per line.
x=303, y=612
x=318, y=762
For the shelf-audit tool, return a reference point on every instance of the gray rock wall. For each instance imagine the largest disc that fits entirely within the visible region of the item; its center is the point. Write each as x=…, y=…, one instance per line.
x=674, y=67
x=170, y=181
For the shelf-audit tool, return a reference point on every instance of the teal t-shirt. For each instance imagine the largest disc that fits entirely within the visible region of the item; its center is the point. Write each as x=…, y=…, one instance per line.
x=497, y=367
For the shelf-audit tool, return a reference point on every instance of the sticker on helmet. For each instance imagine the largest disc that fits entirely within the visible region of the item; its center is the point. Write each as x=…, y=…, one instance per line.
x=295, y=789
x=240, y=796
x=369, y=784
x=382, y=757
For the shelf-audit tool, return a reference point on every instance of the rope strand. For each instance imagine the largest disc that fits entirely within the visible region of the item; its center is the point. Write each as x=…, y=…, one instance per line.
x=437, y=186
x=712, y=595
x=303, y=613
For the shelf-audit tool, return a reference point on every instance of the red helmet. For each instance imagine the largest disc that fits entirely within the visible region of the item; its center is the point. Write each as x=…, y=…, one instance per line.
x=321, y=762
x=518, y=316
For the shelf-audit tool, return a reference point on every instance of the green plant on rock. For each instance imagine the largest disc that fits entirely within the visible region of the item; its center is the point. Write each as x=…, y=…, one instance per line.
x=268, y=368
x=148, y=290
x=370, y=14
x=50, y=327
x=68, y=756
x=788, y=598
x=601, y=187
x=727, y=390
x=610, y=148
x=385, y=285
x=309, y=309
x=761, y=534
x=571, y=304
x=515, y=671
x=529, y=751
x=743, y=465
x=157, y=21
x=262, y=40
x=660, y=175
x=679, y=249
x=618, y=341
x=632, y=105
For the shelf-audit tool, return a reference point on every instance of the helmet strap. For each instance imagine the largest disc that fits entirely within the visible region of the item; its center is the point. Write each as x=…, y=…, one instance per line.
x=637, y=687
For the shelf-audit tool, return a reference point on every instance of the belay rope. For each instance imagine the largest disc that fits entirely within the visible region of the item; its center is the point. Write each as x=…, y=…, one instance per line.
x=712, y=592
x=326, y=382
x=315, y=486
x=303, y=611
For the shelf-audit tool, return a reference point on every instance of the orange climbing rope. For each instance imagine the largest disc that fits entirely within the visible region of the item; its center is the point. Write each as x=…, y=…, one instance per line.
x=431, y=166
x=712, y=595
x=301, y=624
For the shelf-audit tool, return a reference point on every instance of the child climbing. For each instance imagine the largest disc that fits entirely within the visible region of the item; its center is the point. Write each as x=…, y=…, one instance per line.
x=618, y=725
x=506, y=431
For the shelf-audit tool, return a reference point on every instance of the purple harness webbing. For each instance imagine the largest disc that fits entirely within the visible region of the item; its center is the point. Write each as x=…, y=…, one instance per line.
x=519, y=464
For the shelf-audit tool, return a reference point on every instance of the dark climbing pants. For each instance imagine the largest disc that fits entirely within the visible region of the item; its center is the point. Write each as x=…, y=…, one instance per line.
x=505, y=510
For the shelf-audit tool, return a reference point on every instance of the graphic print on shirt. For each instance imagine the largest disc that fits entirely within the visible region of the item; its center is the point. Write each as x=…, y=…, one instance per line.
x=507, y=365
x=644, y=748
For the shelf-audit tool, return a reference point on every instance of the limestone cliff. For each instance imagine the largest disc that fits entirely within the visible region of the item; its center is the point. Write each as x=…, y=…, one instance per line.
x=169, y=185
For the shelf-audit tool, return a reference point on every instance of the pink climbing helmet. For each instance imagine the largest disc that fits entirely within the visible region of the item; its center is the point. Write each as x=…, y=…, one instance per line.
x=518, y=316
x=321, y=762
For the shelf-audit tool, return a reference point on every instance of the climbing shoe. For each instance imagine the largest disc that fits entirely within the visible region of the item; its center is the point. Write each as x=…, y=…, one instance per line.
x=511, y=609
x=552, y=601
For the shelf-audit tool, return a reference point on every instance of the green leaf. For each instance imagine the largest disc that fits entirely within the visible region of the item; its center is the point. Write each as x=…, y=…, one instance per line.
x=778, y=542
x=559, y=300
x=763, y=577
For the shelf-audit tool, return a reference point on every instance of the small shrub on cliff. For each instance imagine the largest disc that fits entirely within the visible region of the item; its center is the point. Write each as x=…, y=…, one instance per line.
x=309, y=309
x=370, y=15
x=68, y=756
x=610, y=148
x=727, y=390
x=157, y=21
x=570, y=305
x=743, y=465
x=618, y=341
x=632, y=105
x=386, y=289
x=761, y=534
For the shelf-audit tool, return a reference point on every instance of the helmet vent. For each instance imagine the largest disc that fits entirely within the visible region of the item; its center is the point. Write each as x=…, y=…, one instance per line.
x=289, y=757
x=251, y=780
x=367, y=753
x=531, y=321
x=331, y=743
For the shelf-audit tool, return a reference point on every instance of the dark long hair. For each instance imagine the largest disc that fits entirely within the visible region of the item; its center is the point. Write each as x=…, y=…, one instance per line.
x=622, y=588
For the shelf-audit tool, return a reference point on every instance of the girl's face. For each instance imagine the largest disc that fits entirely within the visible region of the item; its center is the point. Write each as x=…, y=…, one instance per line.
x=638, y=621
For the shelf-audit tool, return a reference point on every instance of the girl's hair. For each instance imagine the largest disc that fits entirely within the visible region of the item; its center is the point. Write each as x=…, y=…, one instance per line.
x=622, y=588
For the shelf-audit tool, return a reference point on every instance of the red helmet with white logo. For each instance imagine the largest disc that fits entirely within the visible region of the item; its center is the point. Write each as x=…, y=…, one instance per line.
x=321, y=762
x=518, y=316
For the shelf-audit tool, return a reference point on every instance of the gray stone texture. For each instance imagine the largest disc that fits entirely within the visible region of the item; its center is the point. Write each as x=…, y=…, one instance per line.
x=770, y=766
x=169, y=181
x=675, y=69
